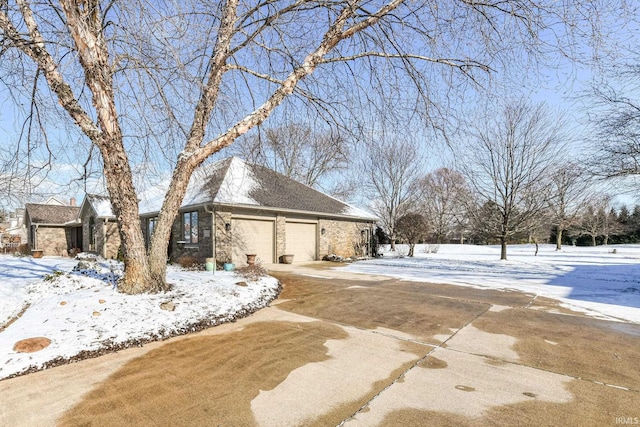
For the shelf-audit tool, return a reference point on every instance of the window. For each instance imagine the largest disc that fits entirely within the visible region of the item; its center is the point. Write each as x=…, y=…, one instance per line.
x=92, y=234
x=190, y=227
x=151, y=226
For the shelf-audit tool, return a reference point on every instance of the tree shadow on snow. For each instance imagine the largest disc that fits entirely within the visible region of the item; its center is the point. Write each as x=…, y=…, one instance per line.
x=617, y=284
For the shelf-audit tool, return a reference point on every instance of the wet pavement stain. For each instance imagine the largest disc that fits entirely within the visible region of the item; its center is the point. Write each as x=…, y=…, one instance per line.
x=206, y=380
x=584, y=347
x=427, y=318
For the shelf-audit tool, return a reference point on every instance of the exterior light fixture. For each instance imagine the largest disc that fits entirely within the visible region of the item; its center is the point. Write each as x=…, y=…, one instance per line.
x=322, y=231
x=227, y=227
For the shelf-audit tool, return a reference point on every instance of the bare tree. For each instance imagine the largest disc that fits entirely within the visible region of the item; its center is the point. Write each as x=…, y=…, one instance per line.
x=610, y=224
x=412, y=228
x=298, y=152
x=591, y=221
x=392, y=169
x=617, y=120
x=176, y=82
x=537, y=226
x=567, y=197
x=510, y=155
x=444, y=195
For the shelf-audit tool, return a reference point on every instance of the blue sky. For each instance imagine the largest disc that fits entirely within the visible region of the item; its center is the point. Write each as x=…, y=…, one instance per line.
x=557, y=81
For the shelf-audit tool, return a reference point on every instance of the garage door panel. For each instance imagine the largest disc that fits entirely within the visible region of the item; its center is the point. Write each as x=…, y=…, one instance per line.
x=252, y=237
x=301, y=241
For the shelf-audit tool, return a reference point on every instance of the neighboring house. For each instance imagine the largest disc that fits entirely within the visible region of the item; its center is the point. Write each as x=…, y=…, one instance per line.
x=54, y=229
x=233, y=208
x=99, y=228
x=13, y=232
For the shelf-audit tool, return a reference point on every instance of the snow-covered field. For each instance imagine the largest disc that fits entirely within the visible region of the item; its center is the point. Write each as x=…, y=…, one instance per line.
x=81, y=312
x=603, y=281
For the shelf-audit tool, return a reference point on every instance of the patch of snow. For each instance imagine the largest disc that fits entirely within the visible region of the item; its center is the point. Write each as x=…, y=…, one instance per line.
x=356, y=212
x=152, y=196
x=102, y=206
x=81, y=311
x=593, y=280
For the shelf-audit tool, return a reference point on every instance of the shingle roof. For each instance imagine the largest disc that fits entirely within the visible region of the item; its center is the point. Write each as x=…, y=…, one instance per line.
x=51, y=214
x=235, y=182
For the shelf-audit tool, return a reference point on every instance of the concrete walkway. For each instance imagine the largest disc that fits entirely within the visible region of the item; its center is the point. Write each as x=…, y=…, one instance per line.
x=346, y=349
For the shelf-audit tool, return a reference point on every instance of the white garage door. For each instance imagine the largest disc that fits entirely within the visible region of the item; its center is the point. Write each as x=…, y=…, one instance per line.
x=252, y=236
x=301, y=241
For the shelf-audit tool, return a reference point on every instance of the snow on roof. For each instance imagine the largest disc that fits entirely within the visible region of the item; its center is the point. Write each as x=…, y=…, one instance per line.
x=234, y=182
x=353, y=211
x=237, y=185
x=100, y=204
x=151, y=197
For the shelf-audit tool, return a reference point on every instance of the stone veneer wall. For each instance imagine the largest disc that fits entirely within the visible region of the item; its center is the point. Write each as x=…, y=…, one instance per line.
x=84, y=218
x=203, y=248
x=224, y=248
x=343, y=238
x=51, y=240
x=109, y=231
x=281, y=236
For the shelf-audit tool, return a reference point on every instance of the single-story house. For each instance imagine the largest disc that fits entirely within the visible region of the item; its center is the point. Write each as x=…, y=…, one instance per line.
x=232, y=209
x=52, y=228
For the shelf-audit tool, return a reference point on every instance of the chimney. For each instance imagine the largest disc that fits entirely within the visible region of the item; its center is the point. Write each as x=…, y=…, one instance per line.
x=72, y=201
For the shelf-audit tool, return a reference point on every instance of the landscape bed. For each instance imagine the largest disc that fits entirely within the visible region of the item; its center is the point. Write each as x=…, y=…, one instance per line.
x=83, y=315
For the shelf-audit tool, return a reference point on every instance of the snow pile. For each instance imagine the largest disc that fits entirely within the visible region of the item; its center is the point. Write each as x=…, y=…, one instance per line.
x=595, y=280
x=82, y=313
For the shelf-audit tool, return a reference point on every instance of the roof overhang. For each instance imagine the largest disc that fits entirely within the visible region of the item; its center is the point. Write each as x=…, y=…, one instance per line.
x=281, y=210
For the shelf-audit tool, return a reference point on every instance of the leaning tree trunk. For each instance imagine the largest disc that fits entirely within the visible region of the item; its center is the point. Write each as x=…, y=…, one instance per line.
x=166, y=218
x=559, y=240
x=137, y=278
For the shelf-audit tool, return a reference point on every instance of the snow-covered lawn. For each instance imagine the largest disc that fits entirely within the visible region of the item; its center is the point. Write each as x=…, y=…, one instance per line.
x=603, y=281
x=81, y=312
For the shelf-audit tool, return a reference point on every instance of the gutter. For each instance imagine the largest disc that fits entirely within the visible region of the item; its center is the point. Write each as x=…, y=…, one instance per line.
x=322, y=215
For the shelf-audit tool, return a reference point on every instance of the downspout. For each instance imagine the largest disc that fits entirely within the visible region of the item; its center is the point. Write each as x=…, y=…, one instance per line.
x=104, y=237
x=213, y=234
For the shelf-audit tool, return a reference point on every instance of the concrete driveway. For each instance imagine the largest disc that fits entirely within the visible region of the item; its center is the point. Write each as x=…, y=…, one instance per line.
x=345, y=349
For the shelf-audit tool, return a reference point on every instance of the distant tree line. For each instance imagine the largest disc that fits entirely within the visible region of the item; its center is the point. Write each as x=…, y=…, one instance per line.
x=596, y=222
